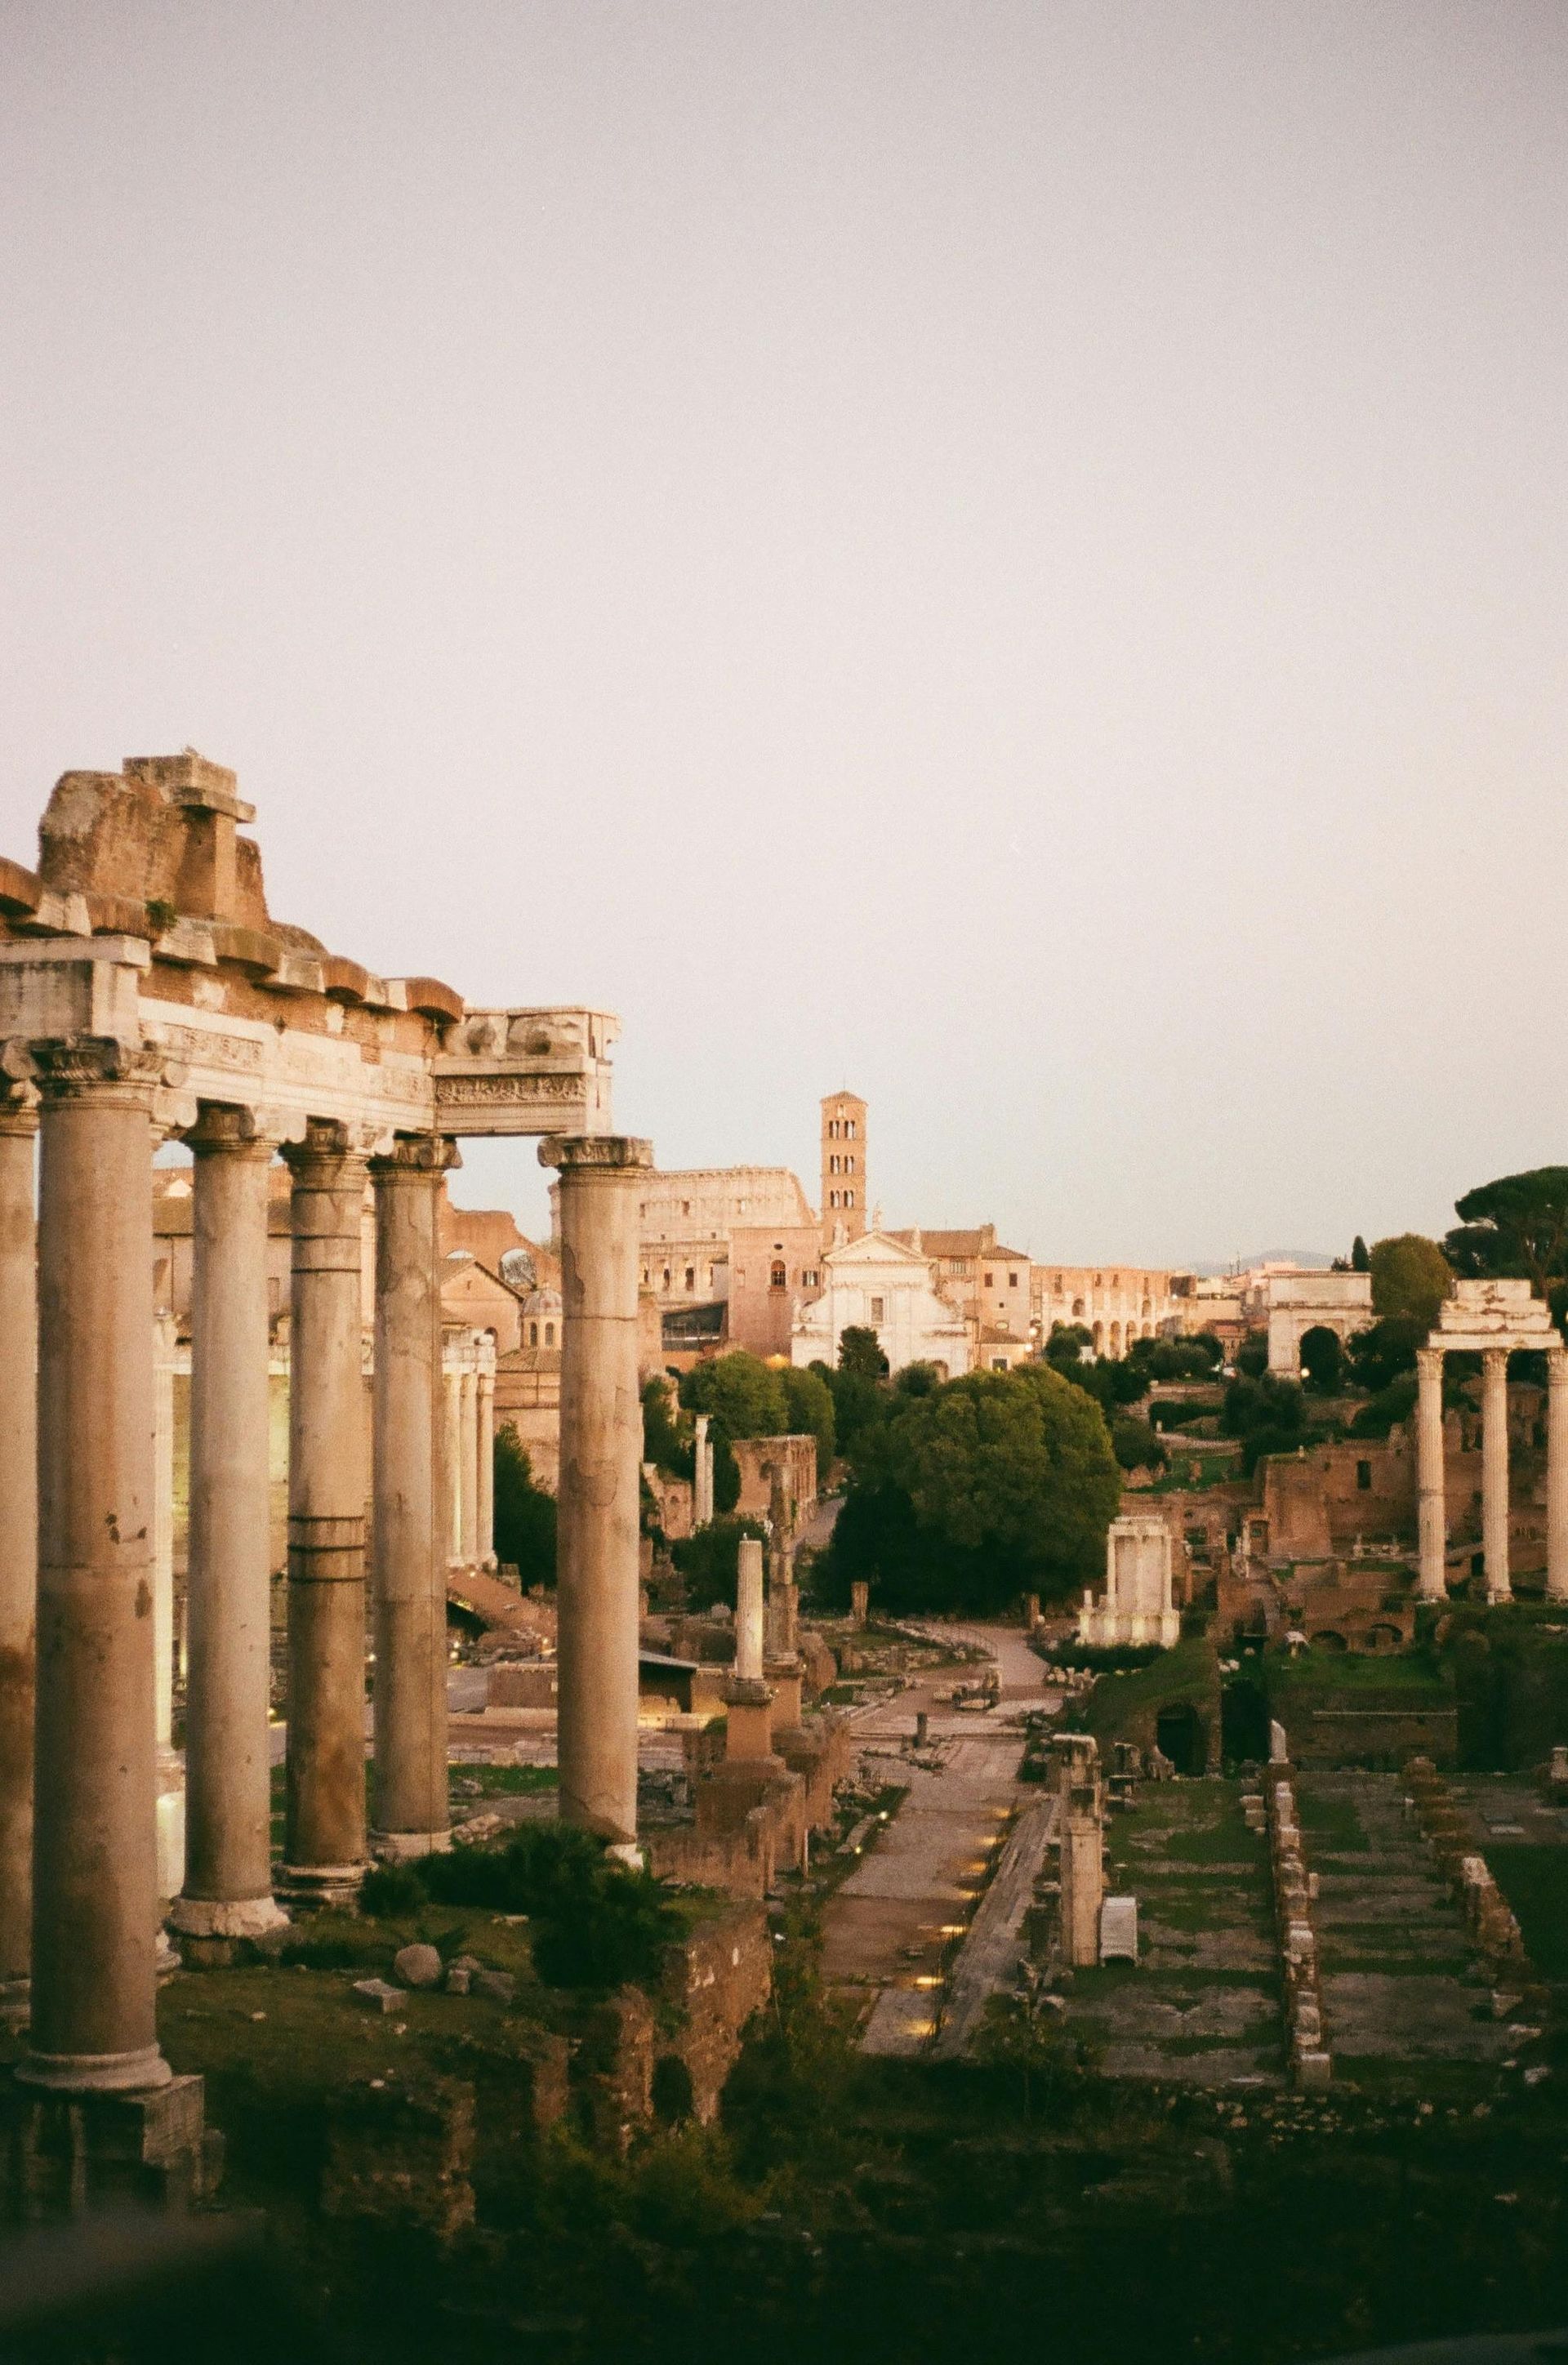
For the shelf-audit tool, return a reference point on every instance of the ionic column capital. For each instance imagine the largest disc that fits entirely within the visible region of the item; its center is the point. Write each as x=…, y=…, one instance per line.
x=416, y=1158
x=590, y=1155
x=101, y=1067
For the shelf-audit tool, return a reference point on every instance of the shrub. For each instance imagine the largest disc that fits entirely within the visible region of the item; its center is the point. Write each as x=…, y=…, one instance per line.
x=389, y=1892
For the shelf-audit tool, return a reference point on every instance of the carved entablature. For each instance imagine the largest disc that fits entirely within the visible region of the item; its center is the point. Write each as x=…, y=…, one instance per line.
x=516, y=1071
x=1476, y=1315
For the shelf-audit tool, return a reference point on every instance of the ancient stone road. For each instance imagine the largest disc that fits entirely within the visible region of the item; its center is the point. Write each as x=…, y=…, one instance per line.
x=887, y=1930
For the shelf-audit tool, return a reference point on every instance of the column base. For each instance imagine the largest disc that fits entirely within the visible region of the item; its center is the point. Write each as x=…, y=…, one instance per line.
x=628, y=1852
x=1431, y=1592
x=95, y=2073
x=1498, y=1593
x=309, y=1886
x=226, y=1917
x=67, y=2153
x=405, y=1847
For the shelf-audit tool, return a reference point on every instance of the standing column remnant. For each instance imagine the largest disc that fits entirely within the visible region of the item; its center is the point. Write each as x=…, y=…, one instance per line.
x=410, y=1523
x=324, y=1835
x=748, y=1612
x=468, y=1448
x=19, y=1538
x=1557, y=1474
x=171, y=1764
x=1432, y=1522
x=95, y=1839
x=228, y=1887
x=1081, y=1822
x=702, y=1475
x=1495, y=1473
x=601, y=1432
x=486, y=1474
x=453, y=1386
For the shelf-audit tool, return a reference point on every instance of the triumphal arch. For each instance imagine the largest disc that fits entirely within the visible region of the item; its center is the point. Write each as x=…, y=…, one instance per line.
x=148, y=992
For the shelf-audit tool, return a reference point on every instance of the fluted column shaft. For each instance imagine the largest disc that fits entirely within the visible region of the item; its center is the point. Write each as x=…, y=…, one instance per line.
x=1495, y=1473
x=468, y=1407
x=324, y=1839
x=486, y=1470
x=452, y=1381
x=601, y=1445
x=95, y=1855
x=411, y=1522
x=1557, y=1475
x=1432, y=1524
x=18, y=1544
x=228, y=1887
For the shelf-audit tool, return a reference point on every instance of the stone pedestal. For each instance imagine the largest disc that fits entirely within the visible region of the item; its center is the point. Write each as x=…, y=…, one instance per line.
x=601, y=1432
x=18, y=1540
x=749, y=1732
x=66, y=2154
x=410, y=1517
x=228, y=1887
x=1557, y=1475
x=1432, y=1527
x=1495, y=1473
x=95, y=1859
x=324, y=1838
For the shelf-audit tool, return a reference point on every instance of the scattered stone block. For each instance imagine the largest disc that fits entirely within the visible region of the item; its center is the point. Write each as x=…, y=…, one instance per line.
x=378, y=1994
x=417, y=1967
x=498, y=1985
x=458, y=1980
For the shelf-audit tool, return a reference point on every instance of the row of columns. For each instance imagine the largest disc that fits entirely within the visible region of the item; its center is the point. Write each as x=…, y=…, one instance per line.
x=78, y=1582
x=1431, y=1510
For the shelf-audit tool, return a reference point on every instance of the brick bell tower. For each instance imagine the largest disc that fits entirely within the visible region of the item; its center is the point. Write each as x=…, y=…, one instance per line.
x=844, y=1204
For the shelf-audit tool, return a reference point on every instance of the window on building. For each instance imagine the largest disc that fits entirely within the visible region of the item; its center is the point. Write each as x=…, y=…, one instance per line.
x=808, y=1279
x=685, y=1206
x=740, y=1276
x=778, y=1278
x=849, y=1128
x=1011, y=1281
x=645, y=1276
x=991, y=1281
x=549, y=1334
x=666, y=1276
x=1058, y=1285
x=879, y=1309
x=690, y=1277
x=534, y=1334
x=1364, y=1476
x=849, y=1198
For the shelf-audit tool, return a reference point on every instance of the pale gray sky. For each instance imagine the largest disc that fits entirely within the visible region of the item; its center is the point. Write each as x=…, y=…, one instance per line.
x=1007, y=553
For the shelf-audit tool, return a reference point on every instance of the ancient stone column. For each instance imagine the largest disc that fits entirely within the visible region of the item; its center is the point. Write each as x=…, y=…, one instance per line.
x=702, y=1475
x=95, y=1841
x=452, y=1381
x=170, y=1764
x=487, y=1471
x=601, y=1434
x=748, y=1612
x=1495, y=1473
x=324, y=1835
x=18, y=1540
x=228, y=1887
x=410, y=1524
x=1557, y=1475
x=1431, y=1518
x=468, y=1453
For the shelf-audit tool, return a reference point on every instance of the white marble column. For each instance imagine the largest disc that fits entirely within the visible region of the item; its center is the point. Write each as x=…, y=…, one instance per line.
x=1495, y=1473
x=748, y=1612
x=486, y=1470
x=94, y=1838
x=19, y=1540
x=1432, y=1522
x=1557, y=1474
x=452, y=1380
x=601, y=1434
x=227, y=1890
x=702, y=1475
x=468, y=1400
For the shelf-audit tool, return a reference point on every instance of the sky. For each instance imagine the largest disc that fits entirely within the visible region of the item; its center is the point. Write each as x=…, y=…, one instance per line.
x=1011, y=555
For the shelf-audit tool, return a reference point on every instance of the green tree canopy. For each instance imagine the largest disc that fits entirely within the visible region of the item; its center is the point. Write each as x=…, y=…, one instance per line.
x=710, y=1560
x=859, y=1350
x=1517, y=1228
x=742, y=1397
x=1360, y=1260
x=808, y=1410
x=666, y=1439
x=993, y=1484
x=1410, y=1276
x=524, y=1513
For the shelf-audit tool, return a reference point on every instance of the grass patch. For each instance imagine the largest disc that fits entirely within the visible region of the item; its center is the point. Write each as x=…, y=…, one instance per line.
x=502, y=1782
x=1331, y=1821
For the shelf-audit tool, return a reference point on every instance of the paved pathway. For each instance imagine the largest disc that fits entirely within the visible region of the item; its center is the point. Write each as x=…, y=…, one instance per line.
x=988, y=1961
x=887, y=1928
